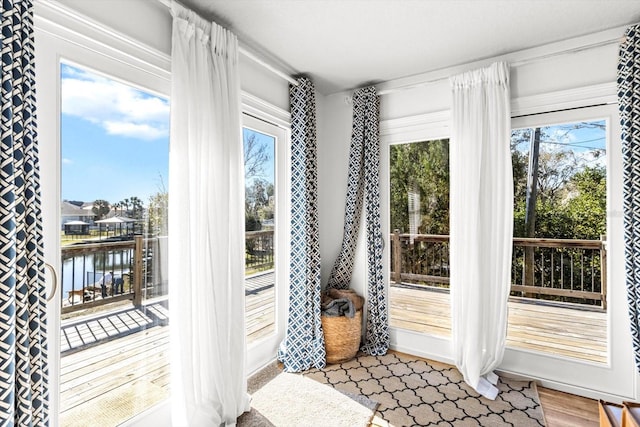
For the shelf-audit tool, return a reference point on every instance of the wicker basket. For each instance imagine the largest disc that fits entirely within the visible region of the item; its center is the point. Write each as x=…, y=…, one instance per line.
x=342, y=336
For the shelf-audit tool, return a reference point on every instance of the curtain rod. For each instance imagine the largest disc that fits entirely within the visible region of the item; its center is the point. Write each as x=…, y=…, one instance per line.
x=243, y=51
x=512, y=64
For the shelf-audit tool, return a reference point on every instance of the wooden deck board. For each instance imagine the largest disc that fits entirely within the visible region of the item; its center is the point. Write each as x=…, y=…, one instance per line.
x=137, y=361
x=125, y=352
x=569, y=332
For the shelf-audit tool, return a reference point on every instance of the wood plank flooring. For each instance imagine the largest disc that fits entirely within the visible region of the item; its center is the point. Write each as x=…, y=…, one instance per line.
x=564, y=331
x=115, y=363
x=115, y=380
x=123, y=377
x=567, y=410
x=128, y=371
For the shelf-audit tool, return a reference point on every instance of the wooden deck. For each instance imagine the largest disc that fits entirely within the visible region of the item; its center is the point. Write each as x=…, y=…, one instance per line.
x=115, y=363
x=260, y=306
x=565, y=331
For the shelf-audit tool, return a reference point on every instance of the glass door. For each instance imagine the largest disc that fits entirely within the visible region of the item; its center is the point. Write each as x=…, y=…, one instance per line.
x=266, y=232
x=104, y=133
x=567, y=322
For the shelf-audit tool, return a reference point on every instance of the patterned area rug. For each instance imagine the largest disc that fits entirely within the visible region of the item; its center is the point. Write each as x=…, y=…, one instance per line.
x=415, y=392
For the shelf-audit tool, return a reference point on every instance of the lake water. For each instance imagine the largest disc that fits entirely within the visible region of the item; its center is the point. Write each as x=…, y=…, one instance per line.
x=89, y=269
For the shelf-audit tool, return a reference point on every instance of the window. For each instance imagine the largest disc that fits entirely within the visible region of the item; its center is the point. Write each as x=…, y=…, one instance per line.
x=266, y=236
x=419, y=216
x=113, y=239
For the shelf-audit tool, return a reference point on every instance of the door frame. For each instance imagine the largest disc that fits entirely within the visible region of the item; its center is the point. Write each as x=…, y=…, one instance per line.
x=263, y=351
x=61, y=34
x=614, y=381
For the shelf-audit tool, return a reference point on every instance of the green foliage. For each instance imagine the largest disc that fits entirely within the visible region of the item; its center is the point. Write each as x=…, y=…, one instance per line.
x=158, y=213
x=422, y=168
x=100, y=208
x=571, y=202
x=588, y=208
x=252, y=223
x=259, y=197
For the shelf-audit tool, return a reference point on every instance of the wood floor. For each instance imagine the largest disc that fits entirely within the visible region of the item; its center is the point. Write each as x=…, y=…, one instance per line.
x=567, y=410
x=115, y=364
x=111, y=382
x=260, y=306
x=564, y=331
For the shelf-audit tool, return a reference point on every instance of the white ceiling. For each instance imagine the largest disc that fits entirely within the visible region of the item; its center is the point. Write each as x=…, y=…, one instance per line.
x=344, y=44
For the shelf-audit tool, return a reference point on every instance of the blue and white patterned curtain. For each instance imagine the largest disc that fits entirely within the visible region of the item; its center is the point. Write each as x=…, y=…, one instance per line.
x=23, y=347
x=303, y=346
x=629, y=106
x=364, y=185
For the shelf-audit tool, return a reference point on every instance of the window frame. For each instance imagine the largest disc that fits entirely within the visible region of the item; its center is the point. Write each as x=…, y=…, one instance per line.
x=552, y=371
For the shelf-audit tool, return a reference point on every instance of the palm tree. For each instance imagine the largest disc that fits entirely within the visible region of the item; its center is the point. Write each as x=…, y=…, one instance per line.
x=136, y=207
x=124, y=204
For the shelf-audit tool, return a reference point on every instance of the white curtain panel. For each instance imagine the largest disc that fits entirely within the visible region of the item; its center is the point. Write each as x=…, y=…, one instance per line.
x=481, y=222
x=206, y=226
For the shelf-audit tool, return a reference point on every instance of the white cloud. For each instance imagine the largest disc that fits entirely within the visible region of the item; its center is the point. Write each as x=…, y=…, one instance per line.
x=134, y=130
x=592, y=158
x=66, y=161
x=118, y=108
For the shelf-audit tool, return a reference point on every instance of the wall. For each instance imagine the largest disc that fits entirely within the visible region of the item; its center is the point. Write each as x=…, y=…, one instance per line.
x=532, y=78
x=149, y=22
x=537, y=76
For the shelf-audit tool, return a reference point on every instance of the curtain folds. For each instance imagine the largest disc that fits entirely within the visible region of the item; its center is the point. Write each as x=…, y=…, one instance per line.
x=303, y=346
x=364, y=186
x=481, y=222
x=206, y=225
x=24, y=395
x=629, y=104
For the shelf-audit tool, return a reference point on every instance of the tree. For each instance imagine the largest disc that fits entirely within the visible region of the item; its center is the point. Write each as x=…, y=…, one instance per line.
x=587, y=206
x=556, y=167
x=137, y=208
x=158, y=211
x=100, y=208
x=255, y=156
x=256, y=197
x=561, y=161
x=124, y=204
x=420, y=168
x=158, y=208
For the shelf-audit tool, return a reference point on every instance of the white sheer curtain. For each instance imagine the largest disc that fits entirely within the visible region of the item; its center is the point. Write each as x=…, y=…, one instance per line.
x=481, y=222
x=206, y=226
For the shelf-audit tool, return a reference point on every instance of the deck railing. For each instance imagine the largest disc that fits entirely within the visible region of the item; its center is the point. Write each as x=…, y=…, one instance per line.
x=134, y=274
x=138, y=270
x=566, y=270
x=259, y=250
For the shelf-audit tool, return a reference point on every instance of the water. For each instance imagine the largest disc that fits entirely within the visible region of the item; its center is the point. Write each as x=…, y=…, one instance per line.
x=88, y=269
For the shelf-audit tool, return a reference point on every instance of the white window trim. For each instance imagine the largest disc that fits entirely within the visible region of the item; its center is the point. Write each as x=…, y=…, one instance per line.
x=436, y=125
x=55, y=21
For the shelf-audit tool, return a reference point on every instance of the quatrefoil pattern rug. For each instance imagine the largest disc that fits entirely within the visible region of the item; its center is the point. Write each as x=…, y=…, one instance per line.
x=415, y=392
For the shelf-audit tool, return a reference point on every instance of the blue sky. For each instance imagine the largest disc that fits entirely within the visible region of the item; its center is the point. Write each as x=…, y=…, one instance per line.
x=115, y=139
x=586, y=139
x=264, y=140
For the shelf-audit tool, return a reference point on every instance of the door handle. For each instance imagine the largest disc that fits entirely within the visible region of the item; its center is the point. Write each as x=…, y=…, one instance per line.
x=54, y=275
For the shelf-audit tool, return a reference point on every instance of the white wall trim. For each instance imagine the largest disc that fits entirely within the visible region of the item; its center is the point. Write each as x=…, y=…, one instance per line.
x=605, y=93
x=437, y=124
x=265, y=110
x=413, y=128
x=540, y=53
x=64, y=23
